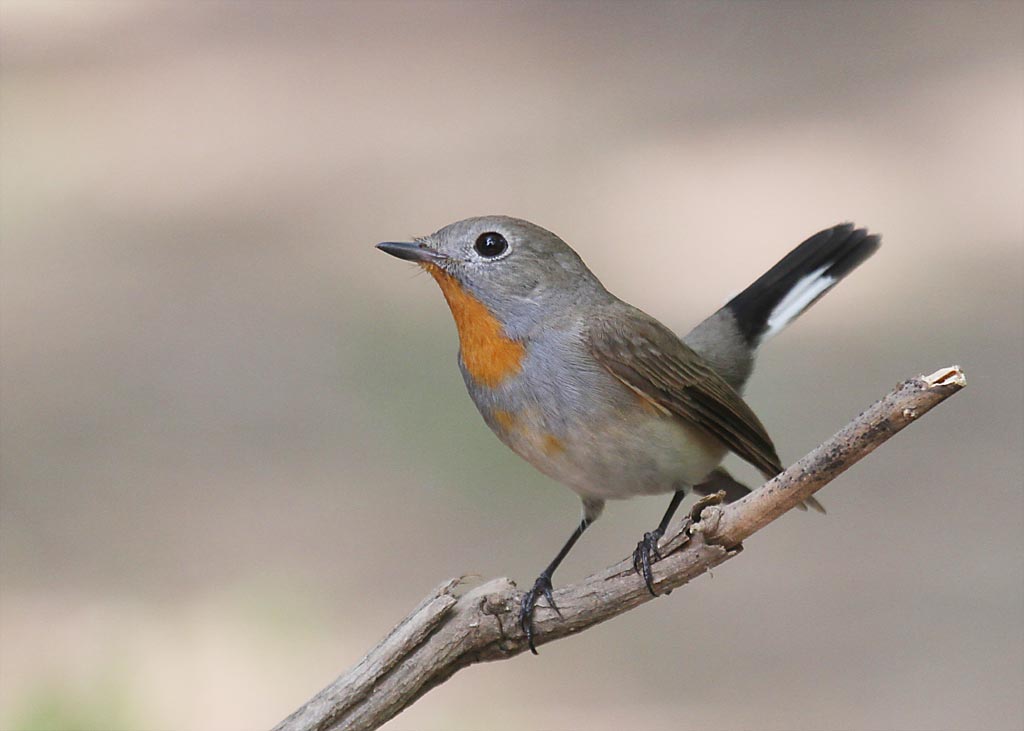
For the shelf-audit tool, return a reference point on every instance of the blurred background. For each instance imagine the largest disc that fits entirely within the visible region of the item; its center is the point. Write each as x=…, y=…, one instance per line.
x=236, y=448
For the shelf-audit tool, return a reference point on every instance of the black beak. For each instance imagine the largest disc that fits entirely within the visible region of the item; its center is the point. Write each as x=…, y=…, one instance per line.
x=409, y=252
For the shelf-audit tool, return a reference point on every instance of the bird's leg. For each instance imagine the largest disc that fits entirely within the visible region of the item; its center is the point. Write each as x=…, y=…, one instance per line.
x=647, y=549
x=542, y=586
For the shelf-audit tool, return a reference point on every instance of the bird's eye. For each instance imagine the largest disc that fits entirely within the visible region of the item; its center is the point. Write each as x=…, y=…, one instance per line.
x=490, y=245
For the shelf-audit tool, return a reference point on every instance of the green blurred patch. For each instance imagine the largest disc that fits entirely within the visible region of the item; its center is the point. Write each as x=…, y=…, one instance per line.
x=54, y=706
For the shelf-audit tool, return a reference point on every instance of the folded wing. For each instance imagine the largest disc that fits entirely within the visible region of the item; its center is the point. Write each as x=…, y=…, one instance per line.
x=648, y=358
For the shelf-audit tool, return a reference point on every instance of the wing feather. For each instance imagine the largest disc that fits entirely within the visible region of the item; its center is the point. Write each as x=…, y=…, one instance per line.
x=649, y=358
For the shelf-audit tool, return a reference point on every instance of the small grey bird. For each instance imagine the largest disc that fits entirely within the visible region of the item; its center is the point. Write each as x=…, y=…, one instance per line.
x=599, y=395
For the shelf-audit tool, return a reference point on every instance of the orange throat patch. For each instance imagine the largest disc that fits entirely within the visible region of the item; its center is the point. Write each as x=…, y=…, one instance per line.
x=489, y=356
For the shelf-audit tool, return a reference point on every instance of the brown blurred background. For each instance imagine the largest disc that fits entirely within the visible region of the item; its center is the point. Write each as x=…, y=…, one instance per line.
x=235, y=445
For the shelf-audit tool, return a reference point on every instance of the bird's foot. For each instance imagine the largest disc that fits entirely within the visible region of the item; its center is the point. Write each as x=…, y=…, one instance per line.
x=541, y=588
x=645, y=554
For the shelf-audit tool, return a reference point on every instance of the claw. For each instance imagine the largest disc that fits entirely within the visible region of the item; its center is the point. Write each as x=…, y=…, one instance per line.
x=645, y=549
x=541, y=588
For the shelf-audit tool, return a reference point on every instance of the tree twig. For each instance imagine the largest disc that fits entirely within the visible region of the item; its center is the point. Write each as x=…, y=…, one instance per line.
x=448, y=632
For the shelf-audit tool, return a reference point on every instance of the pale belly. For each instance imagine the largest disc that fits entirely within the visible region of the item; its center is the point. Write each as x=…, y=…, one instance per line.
x=636, y=453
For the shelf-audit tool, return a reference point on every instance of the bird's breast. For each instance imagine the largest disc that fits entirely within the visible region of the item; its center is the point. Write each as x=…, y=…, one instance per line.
x=488, y=355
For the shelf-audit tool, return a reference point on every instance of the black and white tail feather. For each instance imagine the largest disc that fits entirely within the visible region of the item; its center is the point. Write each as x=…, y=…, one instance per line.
x=730, y=338
x=799, y=280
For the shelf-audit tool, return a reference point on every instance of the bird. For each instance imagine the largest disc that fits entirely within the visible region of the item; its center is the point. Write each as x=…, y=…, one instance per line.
x=599, y=395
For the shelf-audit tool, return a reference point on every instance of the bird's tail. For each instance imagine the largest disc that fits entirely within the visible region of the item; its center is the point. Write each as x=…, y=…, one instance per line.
x=798, y=280
x=729, y=339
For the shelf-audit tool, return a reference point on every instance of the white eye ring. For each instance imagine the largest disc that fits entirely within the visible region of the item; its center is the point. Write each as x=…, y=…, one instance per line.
x=491, y=246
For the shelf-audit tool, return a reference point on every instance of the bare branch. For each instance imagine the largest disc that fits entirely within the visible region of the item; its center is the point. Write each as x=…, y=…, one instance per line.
x=447, y=632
